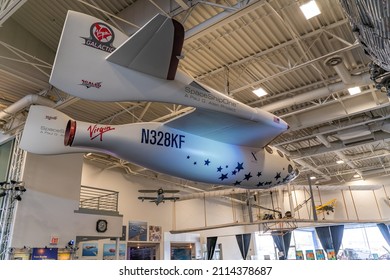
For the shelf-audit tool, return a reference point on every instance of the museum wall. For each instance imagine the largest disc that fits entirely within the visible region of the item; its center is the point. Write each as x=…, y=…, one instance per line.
x=370, y=202
x=179, y=215
x=48, y=207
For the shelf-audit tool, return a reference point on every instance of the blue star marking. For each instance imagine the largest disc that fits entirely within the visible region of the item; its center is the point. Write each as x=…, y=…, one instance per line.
x=239, y=166
x=237, y=183
x=223, y=177
x=219, y=169
x=247, y=176
x=277, y=175
x=258, y=174
x=207, y=162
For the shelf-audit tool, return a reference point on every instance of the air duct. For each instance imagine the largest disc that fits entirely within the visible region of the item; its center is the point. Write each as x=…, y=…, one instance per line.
x=23, y=103
x=360, y=80
x=352, y=133
x=337, y=63
x=347, y=81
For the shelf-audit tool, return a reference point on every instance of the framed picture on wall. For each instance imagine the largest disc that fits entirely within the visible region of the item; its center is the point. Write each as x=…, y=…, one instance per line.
x=299, y=255
x=310, y=255
x=155, y=233
x=331, y=254
x=89, y=249
x=138, y=231
x=109, y=251
x=320, y=254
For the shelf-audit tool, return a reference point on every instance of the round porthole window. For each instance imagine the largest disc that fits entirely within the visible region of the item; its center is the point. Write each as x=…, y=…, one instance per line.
x=269, y=149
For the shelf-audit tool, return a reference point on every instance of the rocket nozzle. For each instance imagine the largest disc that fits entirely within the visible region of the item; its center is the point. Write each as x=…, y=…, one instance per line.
x=70, y=132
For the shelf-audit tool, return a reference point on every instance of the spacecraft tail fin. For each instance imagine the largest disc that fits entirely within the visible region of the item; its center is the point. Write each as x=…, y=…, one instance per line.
x=154, y=50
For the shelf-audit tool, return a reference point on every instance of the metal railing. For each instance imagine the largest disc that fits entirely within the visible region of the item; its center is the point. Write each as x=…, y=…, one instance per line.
x=98, y=199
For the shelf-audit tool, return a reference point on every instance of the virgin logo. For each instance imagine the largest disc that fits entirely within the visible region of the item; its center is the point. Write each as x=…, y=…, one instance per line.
x=98, y=131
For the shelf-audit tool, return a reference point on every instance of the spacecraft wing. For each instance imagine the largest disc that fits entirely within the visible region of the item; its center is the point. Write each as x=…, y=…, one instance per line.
x=227, y=128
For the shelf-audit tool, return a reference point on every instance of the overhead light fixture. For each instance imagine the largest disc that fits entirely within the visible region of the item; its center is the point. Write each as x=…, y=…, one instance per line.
x=313, y=177
x=339, y=161
x=354, y=90
x=260, y=92
x=356, y=176
x=310, y=9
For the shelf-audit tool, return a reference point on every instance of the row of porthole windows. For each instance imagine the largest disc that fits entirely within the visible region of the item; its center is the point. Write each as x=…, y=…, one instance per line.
x=271, y=151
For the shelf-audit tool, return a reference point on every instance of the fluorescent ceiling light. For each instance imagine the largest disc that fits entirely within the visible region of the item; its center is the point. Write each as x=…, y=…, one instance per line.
x=313, y=177
x=339, y=161
x=354, y=90
x=310, y=9
x=260, y=92
x=356, y=176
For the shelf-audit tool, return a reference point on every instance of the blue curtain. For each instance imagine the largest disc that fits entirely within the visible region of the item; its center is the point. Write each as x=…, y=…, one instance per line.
x=243, y=241
x=331, y=237
x=385, y=230
x=282, y=241
x=211, y=243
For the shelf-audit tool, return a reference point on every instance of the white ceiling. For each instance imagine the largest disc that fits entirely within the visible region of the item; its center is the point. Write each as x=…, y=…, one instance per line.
x=234, y=47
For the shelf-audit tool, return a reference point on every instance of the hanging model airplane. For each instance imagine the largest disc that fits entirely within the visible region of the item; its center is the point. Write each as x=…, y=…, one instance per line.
x=222, y=141
x=160, y=197
x=327, y=207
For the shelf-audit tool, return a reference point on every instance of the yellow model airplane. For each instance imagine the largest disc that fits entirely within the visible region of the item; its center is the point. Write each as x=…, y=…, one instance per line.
x=327, y=207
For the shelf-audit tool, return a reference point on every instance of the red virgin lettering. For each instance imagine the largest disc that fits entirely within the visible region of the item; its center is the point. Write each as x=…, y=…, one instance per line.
x=98, y=131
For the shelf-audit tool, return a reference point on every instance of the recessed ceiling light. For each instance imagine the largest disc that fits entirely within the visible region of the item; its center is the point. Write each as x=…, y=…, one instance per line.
x=356, y=176
x=260, y=92
x=310, y=9
x=339, y=161
x=313, y=177
x=354, y=90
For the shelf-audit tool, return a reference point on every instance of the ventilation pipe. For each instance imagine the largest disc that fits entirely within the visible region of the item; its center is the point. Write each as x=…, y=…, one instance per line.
x=360, y=80
x=337, y=63
x=25, y=102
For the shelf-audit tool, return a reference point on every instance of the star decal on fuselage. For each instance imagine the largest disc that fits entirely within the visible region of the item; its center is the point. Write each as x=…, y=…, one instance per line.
x=248, y=176
x=239, y=166
x=223, y=177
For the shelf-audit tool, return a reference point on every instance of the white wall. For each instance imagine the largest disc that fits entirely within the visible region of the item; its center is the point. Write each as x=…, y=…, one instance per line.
x=53, y=185
x=48, y=206
x=168, y=215
x=51, y=197
x=351, y=204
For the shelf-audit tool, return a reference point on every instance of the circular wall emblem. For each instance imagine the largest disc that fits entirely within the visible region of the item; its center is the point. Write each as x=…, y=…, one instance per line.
x=102, y=33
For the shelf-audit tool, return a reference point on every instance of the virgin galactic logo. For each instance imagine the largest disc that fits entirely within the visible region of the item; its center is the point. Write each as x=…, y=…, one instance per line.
x=101, y=37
